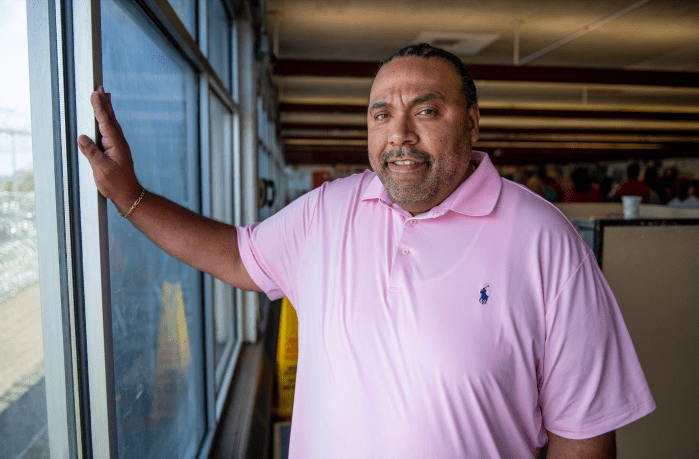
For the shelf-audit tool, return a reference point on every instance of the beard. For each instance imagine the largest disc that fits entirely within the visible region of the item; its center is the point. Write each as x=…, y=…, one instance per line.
x=437, y=174
x=402, y=192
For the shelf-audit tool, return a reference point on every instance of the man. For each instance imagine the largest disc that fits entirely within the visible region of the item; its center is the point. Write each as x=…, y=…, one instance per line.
x=633, y=186
x=684, y=189
x=582, y=190
x=443, y=312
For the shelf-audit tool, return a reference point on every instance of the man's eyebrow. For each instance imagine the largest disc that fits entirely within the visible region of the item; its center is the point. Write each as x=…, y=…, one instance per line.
x=378, y=105
x=424, y=98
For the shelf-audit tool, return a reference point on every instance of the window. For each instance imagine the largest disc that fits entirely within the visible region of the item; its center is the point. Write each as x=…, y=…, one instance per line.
x=156, y=301
x=220, y=120
x=158, y=339
x=23, y=406
x=186, y=11
x=219, y=41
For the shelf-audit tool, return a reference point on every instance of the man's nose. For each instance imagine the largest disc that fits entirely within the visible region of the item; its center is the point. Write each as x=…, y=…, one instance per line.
x=403, y=132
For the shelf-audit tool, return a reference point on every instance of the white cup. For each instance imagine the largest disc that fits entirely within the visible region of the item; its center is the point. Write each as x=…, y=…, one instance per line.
x=631, y=205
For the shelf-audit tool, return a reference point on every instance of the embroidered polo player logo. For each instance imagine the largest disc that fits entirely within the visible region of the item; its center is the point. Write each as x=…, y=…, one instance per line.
x=484, y=297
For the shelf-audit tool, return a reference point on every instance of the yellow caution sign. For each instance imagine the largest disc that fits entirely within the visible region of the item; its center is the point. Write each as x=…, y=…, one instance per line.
x=287, y=358
x=173, y=353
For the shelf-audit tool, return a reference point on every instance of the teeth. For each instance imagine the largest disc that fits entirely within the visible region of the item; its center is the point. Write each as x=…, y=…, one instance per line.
x=404, y=163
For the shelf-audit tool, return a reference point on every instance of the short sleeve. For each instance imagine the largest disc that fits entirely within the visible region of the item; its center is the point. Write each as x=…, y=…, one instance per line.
x=271, y=249
x=592, y=380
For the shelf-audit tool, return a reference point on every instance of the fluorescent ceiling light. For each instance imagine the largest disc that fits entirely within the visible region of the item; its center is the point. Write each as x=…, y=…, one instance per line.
x=461, y=44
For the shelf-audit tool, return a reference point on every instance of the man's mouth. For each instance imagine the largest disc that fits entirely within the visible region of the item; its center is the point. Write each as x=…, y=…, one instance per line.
x=404, y=158
x=404, y=162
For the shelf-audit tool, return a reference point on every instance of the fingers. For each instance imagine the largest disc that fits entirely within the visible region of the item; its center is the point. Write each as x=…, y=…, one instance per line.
x=113, y=140
x=94, y=155
x=104, y=113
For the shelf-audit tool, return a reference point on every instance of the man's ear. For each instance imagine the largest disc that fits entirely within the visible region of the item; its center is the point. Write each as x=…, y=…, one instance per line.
x=474, y=117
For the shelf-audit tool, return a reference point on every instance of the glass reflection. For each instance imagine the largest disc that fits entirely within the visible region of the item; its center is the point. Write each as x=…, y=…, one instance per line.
x=156, y=300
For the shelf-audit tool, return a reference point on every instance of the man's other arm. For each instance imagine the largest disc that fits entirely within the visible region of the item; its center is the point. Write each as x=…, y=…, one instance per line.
x=601, y=447
x=203, y=243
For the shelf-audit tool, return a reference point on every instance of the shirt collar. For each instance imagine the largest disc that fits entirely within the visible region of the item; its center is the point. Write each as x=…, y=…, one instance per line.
x=476, y=197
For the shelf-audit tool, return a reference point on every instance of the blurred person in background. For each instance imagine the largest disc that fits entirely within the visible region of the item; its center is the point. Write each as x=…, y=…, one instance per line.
x=537, y=182
x=666, y=183
x=582, y=189
x=605, y=187
x=684, y=190
x=650, y=178
x=632, y=186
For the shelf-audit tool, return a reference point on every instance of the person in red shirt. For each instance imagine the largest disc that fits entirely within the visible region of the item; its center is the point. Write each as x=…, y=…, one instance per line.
x=633, y=186
x=582, y=190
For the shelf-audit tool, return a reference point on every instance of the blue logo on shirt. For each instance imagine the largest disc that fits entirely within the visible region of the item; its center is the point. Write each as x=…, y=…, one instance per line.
x=484, y=297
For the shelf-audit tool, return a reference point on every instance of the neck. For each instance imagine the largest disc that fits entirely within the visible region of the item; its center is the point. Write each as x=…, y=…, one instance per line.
x=469, y=170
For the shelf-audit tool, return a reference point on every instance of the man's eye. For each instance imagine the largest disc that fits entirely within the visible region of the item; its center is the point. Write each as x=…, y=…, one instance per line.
x=427, y=111
x=381, y=116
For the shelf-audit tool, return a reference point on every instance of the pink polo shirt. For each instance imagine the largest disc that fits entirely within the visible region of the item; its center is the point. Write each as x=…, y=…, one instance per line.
x=464, y=332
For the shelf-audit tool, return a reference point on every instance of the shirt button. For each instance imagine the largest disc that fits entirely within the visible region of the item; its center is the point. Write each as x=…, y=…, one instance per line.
x=413, y=222
x=406, y=251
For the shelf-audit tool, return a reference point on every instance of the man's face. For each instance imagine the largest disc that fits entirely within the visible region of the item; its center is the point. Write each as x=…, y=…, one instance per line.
x=420, y=132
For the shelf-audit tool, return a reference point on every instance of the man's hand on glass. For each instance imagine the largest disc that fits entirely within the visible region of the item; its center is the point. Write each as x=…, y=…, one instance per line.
x=112, y=168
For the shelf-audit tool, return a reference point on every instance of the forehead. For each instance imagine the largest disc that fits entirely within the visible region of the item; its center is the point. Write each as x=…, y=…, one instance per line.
x=415, y=76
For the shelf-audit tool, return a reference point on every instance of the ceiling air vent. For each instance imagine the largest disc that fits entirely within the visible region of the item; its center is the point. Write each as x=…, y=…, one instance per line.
x=461, y=44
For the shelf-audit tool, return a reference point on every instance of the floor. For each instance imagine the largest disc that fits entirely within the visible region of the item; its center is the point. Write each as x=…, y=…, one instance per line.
x=23, y=420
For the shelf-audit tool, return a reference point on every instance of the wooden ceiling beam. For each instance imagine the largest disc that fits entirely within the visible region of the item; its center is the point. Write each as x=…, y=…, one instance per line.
x=581, y=75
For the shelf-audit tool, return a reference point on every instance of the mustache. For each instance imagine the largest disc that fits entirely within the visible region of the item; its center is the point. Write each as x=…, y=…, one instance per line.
x=400, y=152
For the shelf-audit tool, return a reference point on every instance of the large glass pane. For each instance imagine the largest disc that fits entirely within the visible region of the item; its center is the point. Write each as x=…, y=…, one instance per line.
x=219, y=39
x=222, y=210
x=23, y=418
x=156, y=301
x=187, y=11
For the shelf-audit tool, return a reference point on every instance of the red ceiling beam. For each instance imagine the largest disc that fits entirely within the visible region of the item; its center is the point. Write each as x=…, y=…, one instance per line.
x=294, y=154
x=368, y=69
x=528, y=113
x=289, y=127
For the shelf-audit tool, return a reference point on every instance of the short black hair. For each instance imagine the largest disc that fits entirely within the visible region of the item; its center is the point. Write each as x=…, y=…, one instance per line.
x=581, y=180
x=426, y=50
x=633, y=170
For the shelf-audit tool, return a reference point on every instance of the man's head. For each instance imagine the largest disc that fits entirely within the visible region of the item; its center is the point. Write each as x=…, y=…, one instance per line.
x=581, y=180
x=633, y=170
x=421, y=126
x=426, y=51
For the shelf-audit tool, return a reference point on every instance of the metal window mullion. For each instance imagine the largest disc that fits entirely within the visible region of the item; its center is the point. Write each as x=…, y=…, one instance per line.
x=207, y=210
x=48, y=180
x=237, y=214
x=73, y=237
x=207, y=306
x=94, y=238
x=205, y=163
x=248, y=144
x=226, y=193
x=235, y=63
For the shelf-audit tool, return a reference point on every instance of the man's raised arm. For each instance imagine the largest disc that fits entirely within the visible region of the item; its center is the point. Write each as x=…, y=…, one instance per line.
x=205, y=244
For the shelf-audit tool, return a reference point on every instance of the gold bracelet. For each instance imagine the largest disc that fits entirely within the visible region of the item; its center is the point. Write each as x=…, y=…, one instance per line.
x=143, y=193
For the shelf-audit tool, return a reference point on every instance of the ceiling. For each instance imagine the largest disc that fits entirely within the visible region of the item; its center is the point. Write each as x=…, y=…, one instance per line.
x=558, y=81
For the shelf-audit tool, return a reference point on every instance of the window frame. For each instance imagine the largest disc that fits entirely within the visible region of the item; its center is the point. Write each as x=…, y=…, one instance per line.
x=82, y=415
x=50, y=124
